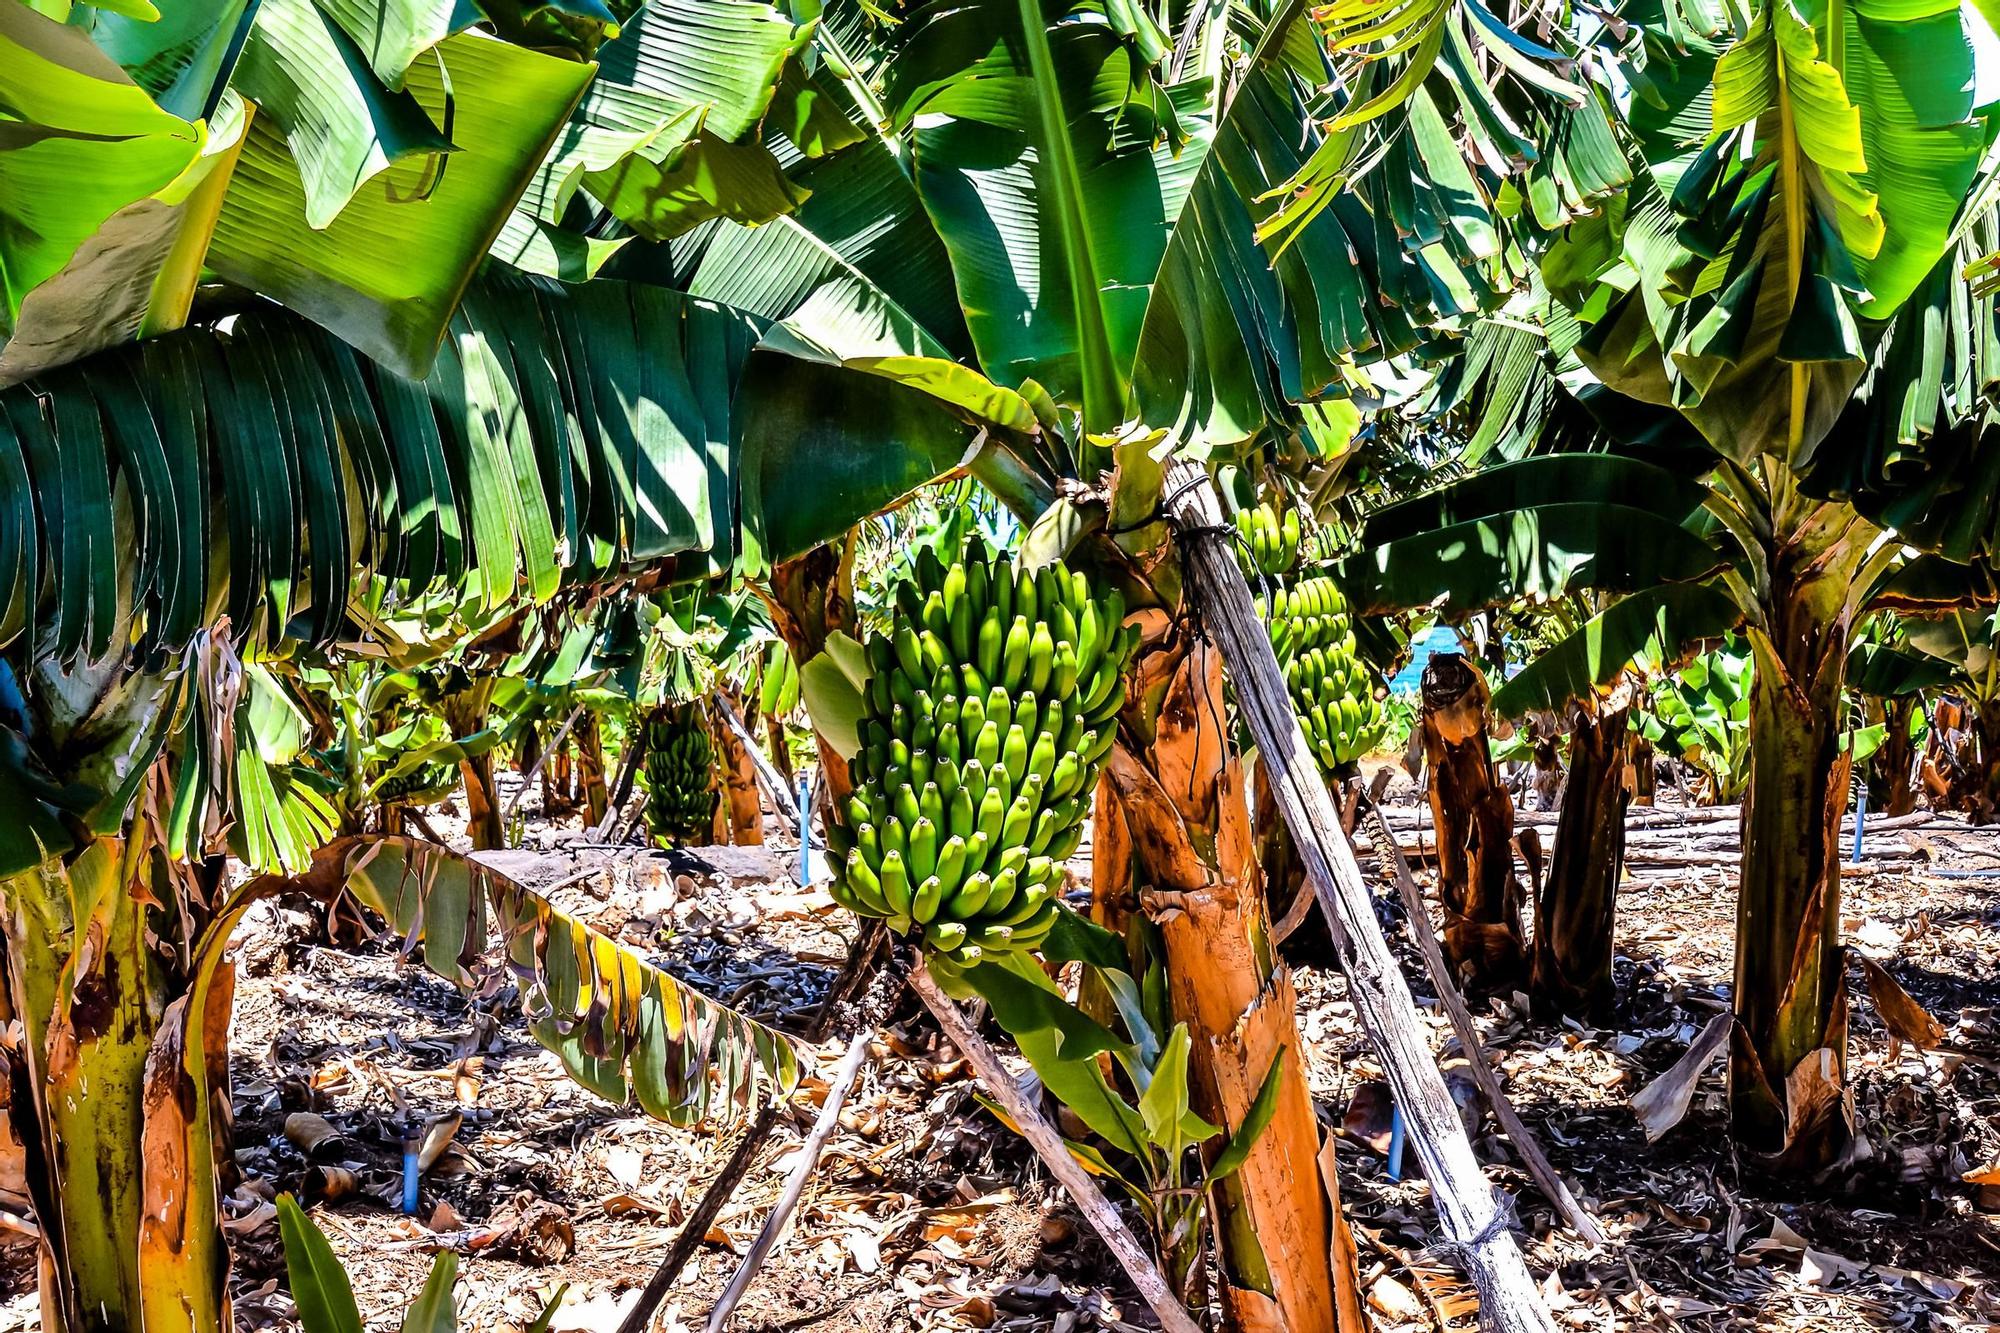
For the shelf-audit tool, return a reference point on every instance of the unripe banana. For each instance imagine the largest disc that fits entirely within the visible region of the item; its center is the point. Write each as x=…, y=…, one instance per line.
x=923, y=849
x=984, y=730
x=1014, y=653
x=896, y=888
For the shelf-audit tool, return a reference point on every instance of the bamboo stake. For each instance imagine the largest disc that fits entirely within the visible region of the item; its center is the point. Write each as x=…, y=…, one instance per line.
x=1474, y=1220
x=1047, y=1142
x=535, y=769
x=640, y=1317
x=844, y=1076
x=775, y=785
x=1552, y=1184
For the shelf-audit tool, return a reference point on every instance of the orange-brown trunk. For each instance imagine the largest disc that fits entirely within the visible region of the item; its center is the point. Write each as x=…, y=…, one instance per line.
x=1287, y=1259
x=1474, y=821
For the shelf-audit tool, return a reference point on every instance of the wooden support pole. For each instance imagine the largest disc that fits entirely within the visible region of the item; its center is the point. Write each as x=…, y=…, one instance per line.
x=1477, y=1225
x=1047, y=1142
x=1552, y=1185
x=775, y=786
x=844, y=1076
x=527, y=779
x=640, y=1317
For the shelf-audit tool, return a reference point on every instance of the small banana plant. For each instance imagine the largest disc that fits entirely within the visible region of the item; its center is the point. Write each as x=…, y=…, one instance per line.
x=325, y=1298
x=1701, y=715
x=1144, y=1137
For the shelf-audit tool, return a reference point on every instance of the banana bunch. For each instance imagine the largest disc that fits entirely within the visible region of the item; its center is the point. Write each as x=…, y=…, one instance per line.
x=993, y=704
x=1332, y=688
x=680, y=776
x=419, y=784
x=1267, y=545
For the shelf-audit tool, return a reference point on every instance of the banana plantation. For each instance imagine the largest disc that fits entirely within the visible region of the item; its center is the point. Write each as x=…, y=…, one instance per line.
x=999, y=664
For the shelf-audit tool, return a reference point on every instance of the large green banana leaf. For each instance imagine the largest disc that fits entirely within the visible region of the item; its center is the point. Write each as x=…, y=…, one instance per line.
x=668, y=135
x=563, y=433
x=108, y=196
x=1584, y=479
x=1538, y=553
x=1886, y=671
x=1802, y=178
x=1920, y=442
x=1650, y=627
x=383, y=146
x=386, y=272
x=1635, y=534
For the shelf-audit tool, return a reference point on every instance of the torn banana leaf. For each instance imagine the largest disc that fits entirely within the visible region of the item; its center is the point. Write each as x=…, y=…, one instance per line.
x=622, y=1028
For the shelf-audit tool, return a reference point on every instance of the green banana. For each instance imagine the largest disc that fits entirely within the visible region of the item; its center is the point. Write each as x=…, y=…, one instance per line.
x=989, y=717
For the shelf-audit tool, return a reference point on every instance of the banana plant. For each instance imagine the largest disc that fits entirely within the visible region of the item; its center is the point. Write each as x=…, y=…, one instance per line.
x=1077, y=273
x=1700, y=714
x=1782, y=278
x=1950, y=655
x=1144, y=1133
x=325, y=1297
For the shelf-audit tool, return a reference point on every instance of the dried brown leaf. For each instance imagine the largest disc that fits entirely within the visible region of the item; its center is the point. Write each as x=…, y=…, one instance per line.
x=1900, y=1013
x=1661, y=1104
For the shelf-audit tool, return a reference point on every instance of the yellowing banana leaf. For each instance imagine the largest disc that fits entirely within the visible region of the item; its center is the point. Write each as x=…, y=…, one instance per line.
x=622, y=1027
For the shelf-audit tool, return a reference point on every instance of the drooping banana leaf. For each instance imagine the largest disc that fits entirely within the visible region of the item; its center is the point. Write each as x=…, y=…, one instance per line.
x=1541, y=552
x=1885, y=671
x=1587, y=479
x=564, y=432
x=623, y=1028
x=1653, y=624
x=386, y=270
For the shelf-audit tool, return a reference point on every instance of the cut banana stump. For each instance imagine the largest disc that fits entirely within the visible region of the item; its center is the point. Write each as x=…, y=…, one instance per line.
x=680, y=776
x=991, y=709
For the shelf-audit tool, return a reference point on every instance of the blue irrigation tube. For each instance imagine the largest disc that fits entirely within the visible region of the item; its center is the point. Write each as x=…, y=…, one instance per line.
x=1397, y=1133
x=1860, y=817
x=805, y=828
x=412, y=1177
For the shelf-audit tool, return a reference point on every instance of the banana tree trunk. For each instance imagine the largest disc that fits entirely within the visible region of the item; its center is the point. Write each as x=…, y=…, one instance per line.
x=774, y=741
x=1287, y=1260
x=120, y=1093
x=528, y=761
x=1645, y=778
x=482, y=810
x=556, y=785
x=1788, y=1062
x=1894, y=790
x=1474, y=822
x=1984, y=802
x=591, y=788
x=1577, y=905
x=739, y=786
x=1473, y=1219
x=465, y=711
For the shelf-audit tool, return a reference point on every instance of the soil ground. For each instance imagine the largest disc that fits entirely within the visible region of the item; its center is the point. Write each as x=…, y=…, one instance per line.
x=927, y=1215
